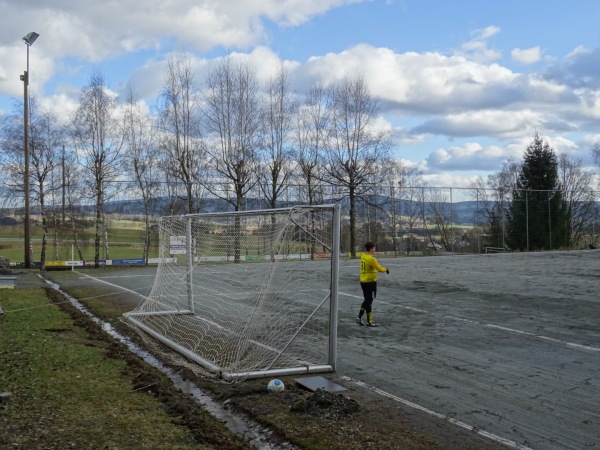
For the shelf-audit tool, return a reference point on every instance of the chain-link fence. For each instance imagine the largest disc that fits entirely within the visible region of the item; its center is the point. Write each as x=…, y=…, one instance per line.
x=400, y=219
x=463, y=220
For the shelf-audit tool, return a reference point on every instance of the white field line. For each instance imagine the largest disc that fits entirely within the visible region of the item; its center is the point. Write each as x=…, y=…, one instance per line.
x=111, y=284
x=489, y=325
x=466, y=426
x=558, y=341
x=122, y=276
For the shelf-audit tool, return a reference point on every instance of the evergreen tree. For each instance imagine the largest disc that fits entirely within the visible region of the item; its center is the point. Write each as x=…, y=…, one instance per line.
x=538, y=214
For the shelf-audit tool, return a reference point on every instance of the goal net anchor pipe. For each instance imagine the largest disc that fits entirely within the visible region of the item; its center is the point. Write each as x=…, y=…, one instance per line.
x=323, y=368
x=174, y=345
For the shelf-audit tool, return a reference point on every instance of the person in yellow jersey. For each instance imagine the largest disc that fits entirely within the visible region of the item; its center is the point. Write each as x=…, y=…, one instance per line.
x=368, y=282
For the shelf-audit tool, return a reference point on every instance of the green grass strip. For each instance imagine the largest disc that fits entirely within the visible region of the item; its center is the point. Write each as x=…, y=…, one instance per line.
x=65, y=392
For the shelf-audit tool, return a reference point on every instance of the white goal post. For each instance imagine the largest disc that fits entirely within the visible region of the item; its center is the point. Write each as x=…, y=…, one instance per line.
x=248, y=294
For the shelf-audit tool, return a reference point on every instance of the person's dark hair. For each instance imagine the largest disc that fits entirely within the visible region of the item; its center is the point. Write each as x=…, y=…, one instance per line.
x=369, y=246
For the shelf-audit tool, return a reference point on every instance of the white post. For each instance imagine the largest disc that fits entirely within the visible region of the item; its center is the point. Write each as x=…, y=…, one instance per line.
x=335, y=274
x=190, y=261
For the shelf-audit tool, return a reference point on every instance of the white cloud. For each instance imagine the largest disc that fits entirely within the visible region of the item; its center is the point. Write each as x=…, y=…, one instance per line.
x=527, y=56
x=435, y=84
x=579, y=69
x=470, y=156
x=13, y=65
x=451, y=180
x=477, y=48
x=60, y=105
x=95, y=31
x=506, y=124
x=429, y=81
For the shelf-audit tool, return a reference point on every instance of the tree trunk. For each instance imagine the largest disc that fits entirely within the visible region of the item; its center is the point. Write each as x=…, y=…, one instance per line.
x=352, y=222
x=44, y=235
x=146, y=232
x=98, y=224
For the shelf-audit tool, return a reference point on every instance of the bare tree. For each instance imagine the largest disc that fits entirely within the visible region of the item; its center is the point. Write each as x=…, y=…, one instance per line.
x=490, y=210
x=311, y=133
x=180, y=132
x=440, y=212
x=232, y=121
x=98, y=137
x=507, y=179
x=596, y=154
x=74, y=195
x=497, y=206
x=12, y=158
x=63, y=178
x=46, y=137
x=411, y=186
x=276, y=139
x=398, y=178
x=576, y=186
x=354, y=147
x=142, y=157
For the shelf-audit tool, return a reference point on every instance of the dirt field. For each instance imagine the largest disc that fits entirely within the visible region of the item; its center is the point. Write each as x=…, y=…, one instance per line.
x=480, y=351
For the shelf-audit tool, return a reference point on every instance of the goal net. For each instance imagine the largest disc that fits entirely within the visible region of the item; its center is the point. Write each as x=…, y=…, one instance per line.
x=248, y=294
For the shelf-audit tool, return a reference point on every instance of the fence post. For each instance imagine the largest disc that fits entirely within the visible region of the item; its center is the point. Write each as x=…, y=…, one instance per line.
x=451, y=222
x=478, y=222
x=527, y=216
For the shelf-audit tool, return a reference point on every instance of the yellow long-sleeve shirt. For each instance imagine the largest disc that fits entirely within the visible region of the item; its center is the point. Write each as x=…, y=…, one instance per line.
x=369, y=268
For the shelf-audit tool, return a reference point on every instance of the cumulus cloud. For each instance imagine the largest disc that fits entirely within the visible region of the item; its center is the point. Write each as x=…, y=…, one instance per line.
x=478, y=48
x=13, y=65
x=148, y=79
x=94, y=31
x=475, y=157
x=451, y=180
x=429, y=81
x=505, y=124
x=435, y=84
x=579, y=69
x=470, y=156
x=527, y=56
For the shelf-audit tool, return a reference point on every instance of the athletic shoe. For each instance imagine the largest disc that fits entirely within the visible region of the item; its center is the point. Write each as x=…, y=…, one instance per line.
x=359, y=321
x=372, y=324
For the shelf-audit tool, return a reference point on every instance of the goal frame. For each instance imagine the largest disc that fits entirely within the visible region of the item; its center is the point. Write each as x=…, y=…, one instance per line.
x=332, y=297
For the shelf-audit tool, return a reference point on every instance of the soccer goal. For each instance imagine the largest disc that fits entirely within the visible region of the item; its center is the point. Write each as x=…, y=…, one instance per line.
x=248, y=294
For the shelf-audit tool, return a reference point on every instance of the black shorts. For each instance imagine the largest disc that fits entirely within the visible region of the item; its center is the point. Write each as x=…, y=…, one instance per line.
x=369, y=289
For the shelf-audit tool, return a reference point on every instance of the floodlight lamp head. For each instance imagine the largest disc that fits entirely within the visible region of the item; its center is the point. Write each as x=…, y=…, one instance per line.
x=30, y=38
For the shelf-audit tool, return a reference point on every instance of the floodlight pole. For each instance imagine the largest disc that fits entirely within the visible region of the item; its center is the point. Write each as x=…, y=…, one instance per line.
x=29, y=40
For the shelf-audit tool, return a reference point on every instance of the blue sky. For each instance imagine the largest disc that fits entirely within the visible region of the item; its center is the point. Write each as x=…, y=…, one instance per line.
x=463, y=85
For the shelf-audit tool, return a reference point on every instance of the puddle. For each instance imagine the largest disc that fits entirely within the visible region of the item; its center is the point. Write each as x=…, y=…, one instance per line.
x=256, y=435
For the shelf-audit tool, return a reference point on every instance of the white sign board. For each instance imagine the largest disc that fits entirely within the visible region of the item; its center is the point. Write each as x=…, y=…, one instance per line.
x=177, y=245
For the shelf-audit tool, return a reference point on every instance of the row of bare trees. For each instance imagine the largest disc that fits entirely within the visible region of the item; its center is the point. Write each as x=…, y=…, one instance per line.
x=221, y=137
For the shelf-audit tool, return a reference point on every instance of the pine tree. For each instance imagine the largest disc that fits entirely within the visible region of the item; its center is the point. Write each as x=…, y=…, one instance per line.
x=538, y=214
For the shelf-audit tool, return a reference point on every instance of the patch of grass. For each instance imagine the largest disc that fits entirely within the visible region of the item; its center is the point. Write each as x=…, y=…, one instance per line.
x=68, y=392
x=125, y=242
